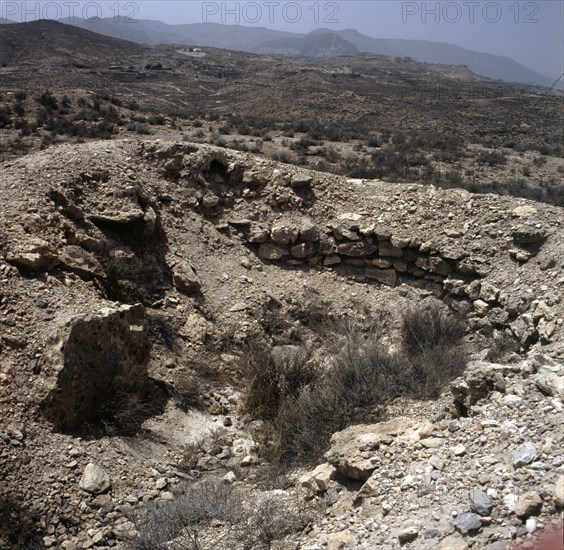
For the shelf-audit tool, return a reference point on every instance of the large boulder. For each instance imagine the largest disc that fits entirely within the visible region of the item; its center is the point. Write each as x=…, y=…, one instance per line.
x=87, y=358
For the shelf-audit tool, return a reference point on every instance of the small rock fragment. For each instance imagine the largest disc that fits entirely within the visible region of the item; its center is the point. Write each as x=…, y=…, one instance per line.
x=480, y=502
x=524, y=454
x=529, y=504
x=468, y=523
x=95, y=480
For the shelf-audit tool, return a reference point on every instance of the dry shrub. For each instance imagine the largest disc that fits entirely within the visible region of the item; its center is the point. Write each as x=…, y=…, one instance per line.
x=123, y=409
x=303, y=405
x=274, y=517
x=177, y=524
x=248, y=522
x=272, y=381
x=426, y=328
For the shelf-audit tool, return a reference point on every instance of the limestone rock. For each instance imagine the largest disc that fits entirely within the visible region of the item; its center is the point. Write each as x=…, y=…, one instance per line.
x=269, y=251
x=85, y=356
x=488, y=292
x=407, y=533
x=210, y=200
x=185, y=278
x=281, y=234
x=32, y=253
x=528, y=504
x=453, y=542
x=303, y=250
x=353, y=450
x=95, y=480
x=340, y=541
x=82, y=262
x=525, y=211
x=479, y=380
x=550, y=380
x=318, y=480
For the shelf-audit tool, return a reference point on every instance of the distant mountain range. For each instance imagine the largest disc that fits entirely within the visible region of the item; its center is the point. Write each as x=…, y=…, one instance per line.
x=321, y=42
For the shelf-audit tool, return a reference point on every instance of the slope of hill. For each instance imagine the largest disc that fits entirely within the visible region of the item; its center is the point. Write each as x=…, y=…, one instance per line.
x=187, y=329
x=492, y=66
x=113, y=413
x=41, y=41
x=318, y=45
x=263, y=40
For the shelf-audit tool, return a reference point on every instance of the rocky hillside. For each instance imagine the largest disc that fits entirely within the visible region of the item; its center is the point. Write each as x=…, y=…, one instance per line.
x=136, y=275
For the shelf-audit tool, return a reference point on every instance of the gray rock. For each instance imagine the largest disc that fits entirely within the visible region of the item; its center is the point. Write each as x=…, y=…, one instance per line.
x=300, y=180
x=527, y=234
x=480, y=502
x=185, y=278
x=384, y=276
x=524, y=454
x=95, y=480
x=358, y=249
x=468, y=523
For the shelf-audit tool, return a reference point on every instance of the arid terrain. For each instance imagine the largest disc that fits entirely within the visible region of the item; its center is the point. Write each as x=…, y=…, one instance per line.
x=291, y=320
x=360, y=116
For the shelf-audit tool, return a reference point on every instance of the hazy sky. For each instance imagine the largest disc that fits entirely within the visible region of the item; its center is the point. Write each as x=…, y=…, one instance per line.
x=529, y=32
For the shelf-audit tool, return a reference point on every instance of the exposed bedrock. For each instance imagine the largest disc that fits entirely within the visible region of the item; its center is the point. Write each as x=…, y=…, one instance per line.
x=89, y=360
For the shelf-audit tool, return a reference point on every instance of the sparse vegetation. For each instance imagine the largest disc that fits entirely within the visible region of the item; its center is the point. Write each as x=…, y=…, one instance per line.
x=305, y=404
x=249, y=521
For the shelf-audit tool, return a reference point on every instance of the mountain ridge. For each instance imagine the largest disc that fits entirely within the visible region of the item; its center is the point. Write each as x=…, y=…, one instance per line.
x=259, y=40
